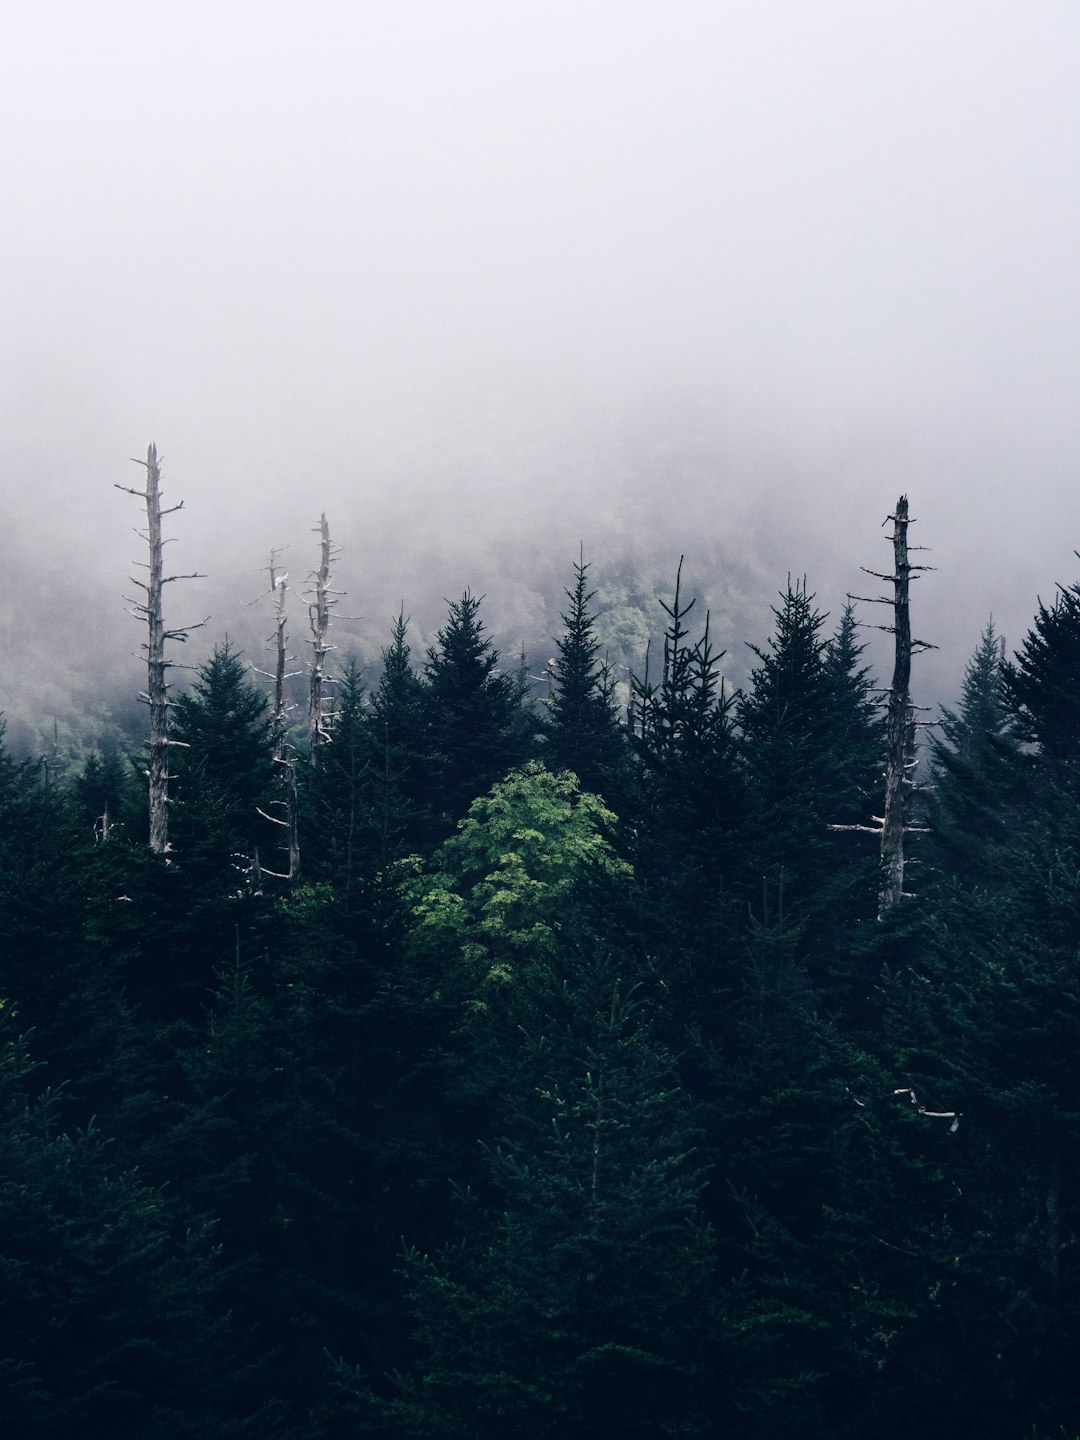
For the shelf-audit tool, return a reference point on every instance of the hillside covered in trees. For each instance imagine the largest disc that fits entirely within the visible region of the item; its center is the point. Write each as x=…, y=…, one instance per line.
x=471, y=1057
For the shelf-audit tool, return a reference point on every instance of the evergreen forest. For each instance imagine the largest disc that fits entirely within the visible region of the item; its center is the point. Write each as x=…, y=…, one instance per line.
x=483, y=1058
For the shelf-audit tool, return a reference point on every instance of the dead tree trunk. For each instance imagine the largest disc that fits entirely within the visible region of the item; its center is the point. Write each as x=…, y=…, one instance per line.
x=284, y=755
x=319, y=611
x=151, y=609
x=900, y=761
x=898, y=757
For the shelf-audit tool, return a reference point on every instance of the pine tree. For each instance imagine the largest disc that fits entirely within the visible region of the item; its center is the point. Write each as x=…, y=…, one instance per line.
x=113, y=1323
x=685, y=806
x=582, y=732
x=575, y=1300
x=979, y=772
x=1041, y=685
x=223, y=766
x=477, y=723
x=344, y=844
x=806, y=734
x=858, y=725
x=395, y=720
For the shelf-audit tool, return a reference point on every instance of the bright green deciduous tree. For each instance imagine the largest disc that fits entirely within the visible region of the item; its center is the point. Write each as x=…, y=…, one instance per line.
x=510, y=886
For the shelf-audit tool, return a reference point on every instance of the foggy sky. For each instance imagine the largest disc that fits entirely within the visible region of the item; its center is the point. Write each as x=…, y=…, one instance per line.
x=485, y=279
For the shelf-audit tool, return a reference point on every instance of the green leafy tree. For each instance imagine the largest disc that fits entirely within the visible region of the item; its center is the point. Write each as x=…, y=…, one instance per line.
x=512, y=883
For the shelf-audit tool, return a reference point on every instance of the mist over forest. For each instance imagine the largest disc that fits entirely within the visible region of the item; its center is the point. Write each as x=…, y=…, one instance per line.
x=488, y=282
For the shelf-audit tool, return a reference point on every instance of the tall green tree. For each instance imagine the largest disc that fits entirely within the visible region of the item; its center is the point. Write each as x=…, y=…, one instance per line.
x=395, y=719
x=685, y=806
x=1041, y=685
x=477, y=721
x=582, y=732
x=222, y=765
x=807, y=732
x=979, y=774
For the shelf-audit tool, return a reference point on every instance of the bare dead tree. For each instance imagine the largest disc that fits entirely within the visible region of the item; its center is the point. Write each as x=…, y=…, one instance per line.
x=151, y=609
x=284, y=755
x=319, y=607
x=901, y=724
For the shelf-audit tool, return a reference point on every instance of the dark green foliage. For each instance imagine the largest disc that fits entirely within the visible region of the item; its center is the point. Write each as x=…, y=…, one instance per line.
x=686, y=803
x=582, y=733
x=976, y=803
x=110, y=1310
x=677, y=1138
x=102, y=792
x=477, y=724
x=395, y=720
x=576, y=1299
x=1041, y=685
x=344, y=829
x=811, y=744
x=222, y=763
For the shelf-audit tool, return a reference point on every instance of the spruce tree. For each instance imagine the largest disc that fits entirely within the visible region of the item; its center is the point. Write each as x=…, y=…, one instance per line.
x=477, y=721
x=224, y=765
x=575, y=1298
x=395, y=720
x=685, y=806
x=807, y=733
x=1041, y=685
x=979, y=773
x=582, y=732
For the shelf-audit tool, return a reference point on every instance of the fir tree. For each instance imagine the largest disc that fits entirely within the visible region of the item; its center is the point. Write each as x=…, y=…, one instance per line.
x=1041, y=685
x=806, y=733
x=978, y=771
x=223, y=764
x=582, y=732
x=575, y=1299
x=395, y=720
x=477, y=724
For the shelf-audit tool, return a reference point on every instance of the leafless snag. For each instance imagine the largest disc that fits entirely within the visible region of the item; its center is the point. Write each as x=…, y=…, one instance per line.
x=284, y=754
x=901, y=724
x=151, y=609
x=319, y=607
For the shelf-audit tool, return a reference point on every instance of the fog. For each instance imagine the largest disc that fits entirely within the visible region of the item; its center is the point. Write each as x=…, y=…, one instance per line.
x=487, y=280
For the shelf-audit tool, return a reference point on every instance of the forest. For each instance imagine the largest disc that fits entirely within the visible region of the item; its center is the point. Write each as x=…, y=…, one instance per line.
x=445, y=1055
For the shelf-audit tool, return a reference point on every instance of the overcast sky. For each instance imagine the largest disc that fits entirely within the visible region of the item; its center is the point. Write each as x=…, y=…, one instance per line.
x=471, y=275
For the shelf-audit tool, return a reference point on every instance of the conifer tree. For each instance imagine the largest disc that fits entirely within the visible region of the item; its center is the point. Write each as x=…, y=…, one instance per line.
x=806, y=734
x=1041, y=685
x=686, y=803
x=347, y=843
x=582, y=732
x=225, y=768
x=395, y=720
x=978, y=771
x=477, y=724
x=575, y=1299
